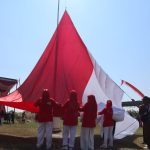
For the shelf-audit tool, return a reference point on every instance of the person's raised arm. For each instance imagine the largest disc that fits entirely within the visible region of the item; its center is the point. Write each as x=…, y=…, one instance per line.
x=102, y=112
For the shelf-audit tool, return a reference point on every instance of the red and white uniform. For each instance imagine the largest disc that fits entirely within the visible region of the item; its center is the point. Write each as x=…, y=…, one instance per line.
x=70, y=120
x=45, y=119
x=108, y=124
x=88, y=123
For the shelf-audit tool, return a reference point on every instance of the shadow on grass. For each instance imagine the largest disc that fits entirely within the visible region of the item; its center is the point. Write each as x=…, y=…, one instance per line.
x=8, y=142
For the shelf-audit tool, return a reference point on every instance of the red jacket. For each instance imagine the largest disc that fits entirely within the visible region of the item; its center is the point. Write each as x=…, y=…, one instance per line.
x=108, y=113
x=45, y=113
x=89, y=113
x=70, y=113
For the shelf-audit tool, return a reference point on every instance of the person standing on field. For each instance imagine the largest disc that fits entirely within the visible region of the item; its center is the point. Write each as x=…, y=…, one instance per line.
x=70, y=121
x=45, y=119
x=108, y=125
x=88, y=123
x=144, y=114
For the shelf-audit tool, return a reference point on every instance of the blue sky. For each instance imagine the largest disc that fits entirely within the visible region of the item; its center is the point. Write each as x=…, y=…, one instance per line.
x=116, y=32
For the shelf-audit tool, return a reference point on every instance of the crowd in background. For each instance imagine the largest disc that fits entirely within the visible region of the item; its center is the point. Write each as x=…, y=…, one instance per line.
x=7, y=117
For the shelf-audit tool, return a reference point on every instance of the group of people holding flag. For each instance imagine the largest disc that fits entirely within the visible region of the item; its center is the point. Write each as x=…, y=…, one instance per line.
x=70, y=112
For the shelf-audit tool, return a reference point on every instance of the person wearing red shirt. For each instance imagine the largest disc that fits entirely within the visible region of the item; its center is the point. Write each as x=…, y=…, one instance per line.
x=88, y=123
x=70, y=121
x=108, y=124
x=45, y=119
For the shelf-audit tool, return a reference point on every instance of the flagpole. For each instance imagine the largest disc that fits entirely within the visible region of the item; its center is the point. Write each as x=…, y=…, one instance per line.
x=55, y=120
x=56, y=54
x=58, y=12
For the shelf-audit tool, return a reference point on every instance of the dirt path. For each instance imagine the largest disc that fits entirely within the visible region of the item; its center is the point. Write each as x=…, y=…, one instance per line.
x=8, y=142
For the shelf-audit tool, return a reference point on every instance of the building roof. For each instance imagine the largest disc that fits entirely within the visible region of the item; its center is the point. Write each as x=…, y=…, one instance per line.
x=6, y=84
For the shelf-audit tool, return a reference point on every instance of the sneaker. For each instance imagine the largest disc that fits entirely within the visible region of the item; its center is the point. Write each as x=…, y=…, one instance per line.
x=39, y=146
x=110, y=147
x=145, y=146
x=103, y=146
x=64, y=147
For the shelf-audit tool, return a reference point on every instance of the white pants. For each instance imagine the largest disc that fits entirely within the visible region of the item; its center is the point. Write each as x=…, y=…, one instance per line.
x=87, y=138
x=108, y=136
x=57, y=124
x=45, y=130
x=101, y=118
x=69, y=134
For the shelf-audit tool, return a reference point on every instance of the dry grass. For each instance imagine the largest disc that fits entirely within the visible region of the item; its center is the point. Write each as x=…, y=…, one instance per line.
x=23, y=137
x=20, y=129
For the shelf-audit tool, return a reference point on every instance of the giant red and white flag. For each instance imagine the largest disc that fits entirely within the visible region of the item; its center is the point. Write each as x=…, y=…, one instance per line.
x=66, y=64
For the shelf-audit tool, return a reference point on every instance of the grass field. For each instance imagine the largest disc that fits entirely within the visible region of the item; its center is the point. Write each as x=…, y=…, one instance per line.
x=20, y=136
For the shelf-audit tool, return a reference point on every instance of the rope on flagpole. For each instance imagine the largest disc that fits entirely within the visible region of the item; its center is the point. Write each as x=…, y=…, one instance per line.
x=126, y=94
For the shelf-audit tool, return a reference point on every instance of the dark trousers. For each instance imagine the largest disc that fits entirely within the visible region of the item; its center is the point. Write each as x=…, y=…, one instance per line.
x=146, y=133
